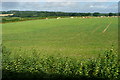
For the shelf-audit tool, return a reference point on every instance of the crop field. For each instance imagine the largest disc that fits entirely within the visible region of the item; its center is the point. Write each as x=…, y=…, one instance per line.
x=77, y=37
x=65, y=46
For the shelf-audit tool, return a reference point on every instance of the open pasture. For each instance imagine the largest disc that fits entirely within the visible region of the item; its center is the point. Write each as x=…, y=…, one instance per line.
x=60, y=49
x=76, y=37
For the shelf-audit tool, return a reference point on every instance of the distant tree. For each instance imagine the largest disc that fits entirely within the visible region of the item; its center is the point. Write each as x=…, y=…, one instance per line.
x=52, y=14
x=119, y=14
x=111, y=14
x=96, y=14
x=88, y=14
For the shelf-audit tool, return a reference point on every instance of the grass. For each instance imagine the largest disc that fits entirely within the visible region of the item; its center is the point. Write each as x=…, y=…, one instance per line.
x=69, y=37
x=61, y=49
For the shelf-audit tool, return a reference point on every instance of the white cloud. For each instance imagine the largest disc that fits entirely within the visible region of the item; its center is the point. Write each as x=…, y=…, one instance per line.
x=103, y=5
x=98, y=6
x=59, y=4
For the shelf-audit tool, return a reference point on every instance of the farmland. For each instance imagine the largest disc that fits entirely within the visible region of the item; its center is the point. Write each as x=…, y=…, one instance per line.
x=59, y=39
x=73, y=37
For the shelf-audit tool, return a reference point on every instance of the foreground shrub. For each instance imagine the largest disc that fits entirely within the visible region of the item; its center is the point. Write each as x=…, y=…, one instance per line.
x=104, y=67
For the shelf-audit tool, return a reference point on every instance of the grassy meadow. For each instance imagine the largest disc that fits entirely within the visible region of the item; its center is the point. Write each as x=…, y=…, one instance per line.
x=77, y=37
x=65, y=46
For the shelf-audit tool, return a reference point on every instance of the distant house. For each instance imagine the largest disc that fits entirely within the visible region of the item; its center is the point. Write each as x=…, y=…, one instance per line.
x=6, y=15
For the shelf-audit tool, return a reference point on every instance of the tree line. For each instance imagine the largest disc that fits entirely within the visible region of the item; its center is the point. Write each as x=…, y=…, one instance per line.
x=48, y=14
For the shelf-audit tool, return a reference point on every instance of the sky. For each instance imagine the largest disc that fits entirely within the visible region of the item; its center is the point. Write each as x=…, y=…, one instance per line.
x=103, y=6
x=59, y=0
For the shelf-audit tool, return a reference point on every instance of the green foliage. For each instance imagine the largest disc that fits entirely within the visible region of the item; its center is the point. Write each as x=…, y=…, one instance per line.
x=43, y=13
x=105, y=66
x=47, y=14
x=17, y=19
x=32, y=15
x=96, y=14
x=112, y=14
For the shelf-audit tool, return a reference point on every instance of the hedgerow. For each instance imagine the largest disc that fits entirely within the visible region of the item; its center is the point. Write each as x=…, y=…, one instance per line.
x=105, y=66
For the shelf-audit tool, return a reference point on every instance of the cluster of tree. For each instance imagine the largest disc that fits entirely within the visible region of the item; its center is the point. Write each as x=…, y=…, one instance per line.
x=47, y=14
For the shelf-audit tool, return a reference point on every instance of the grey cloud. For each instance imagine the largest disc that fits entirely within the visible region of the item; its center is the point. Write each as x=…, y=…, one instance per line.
x=62, y=6
x=9, y=5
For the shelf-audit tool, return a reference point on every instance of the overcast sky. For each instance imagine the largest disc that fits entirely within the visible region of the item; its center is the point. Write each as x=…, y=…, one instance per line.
x=104, y=6
x=59, y=0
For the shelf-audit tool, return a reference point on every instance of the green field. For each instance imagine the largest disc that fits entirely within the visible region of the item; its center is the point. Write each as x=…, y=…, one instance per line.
x=61, y=49
x=77, y=37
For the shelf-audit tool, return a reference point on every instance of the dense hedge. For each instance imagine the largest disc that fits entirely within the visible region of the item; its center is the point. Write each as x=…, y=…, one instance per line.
x=20, y=67
x=16, y=19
